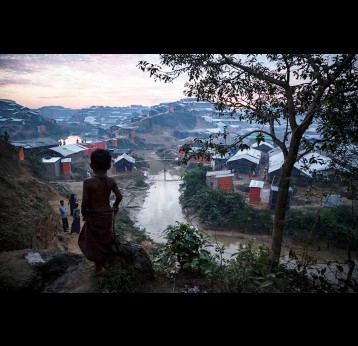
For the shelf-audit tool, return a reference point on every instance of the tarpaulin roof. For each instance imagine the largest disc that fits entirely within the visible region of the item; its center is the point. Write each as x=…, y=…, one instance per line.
x=303, y=165
x=125, y=157
x=252, y=155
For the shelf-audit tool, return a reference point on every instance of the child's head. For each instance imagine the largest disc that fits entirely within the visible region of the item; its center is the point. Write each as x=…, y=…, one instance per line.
x=101, y=159
x=61, y=202
x=76, y=205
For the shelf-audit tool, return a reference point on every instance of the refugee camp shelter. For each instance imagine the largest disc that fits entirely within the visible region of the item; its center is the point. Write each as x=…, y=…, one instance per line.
x=72, y=151
x=245, y=161
x=92, y=146
x=66, y=166
x=311, y=165
x=218, y=161
x=273, y=197
x=255, y=191
x=220, y=180
x=53, y=166
x=36, y=145
x=124, y=163
x=118, y=152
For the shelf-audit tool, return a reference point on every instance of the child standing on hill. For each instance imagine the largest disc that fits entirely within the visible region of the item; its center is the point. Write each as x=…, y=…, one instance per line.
x=95, y=239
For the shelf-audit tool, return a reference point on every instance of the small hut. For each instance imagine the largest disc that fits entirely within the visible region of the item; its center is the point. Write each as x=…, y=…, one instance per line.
x=245, y=161
x=53, y=166
x=124, y=163
x=66, y=166
x=255, y=191
x=273, y=197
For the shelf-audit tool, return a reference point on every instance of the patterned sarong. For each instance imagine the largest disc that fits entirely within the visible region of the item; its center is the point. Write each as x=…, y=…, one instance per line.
x=95, y=238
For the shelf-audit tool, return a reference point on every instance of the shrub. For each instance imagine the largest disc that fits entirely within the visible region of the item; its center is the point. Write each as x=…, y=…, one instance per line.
x=186, y=247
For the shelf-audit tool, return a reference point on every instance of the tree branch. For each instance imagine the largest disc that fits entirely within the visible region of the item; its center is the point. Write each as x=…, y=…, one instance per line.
x=303, y=153
x=261, y=76
x=290, y=102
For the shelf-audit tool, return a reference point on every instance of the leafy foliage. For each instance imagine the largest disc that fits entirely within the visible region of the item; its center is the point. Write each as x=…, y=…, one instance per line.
x=332, y=224
x=118, y=279
x=186, y=246
x=250, y=272
x=218, y=208
x=290, y=91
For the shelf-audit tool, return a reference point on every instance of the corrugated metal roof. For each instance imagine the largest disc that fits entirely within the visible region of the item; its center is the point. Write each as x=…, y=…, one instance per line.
x=69, y=149
x=275, y=151
x=322, y=164
x=51, y=160
x=35, y=143
x=209, y=174
x=252, y=155
x=276, y=162
x=257, y=183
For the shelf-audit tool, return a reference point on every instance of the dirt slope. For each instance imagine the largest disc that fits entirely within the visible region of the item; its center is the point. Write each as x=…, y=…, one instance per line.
x=27, y=218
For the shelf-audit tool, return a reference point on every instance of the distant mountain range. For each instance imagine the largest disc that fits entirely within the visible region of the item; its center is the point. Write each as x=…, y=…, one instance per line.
x=22, y=123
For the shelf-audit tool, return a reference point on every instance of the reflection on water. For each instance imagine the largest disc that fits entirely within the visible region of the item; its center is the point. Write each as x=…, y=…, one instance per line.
x=161, y=207
x=72, y=140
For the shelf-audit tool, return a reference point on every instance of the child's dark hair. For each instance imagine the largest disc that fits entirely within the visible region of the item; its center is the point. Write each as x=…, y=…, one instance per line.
x=76, y=205
x=101, y=159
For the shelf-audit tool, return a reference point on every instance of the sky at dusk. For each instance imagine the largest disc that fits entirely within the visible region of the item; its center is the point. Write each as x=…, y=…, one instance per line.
x=83, y=80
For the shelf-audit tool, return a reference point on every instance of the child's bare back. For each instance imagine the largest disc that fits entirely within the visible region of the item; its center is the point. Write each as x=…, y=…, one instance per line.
x=97, y=191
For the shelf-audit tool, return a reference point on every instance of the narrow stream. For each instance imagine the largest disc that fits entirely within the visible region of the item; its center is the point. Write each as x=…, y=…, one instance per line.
x=162, y=208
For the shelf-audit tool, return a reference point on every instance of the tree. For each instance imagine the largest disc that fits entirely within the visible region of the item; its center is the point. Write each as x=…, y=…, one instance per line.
x=289, y=89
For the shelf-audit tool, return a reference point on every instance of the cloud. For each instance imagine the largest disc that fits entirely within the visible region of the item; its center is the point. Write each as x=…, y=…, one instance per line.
x=112, y=79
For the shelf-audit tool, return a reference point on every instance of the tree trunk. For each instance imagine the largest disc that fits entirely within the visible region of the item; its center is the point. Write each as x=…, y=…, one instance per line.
x=280, y=212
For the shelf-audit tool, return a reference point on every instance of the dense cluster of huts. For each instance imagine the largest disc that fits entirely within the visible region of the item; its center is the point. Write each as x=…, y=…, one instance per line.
x=262, y=164
x=58, y=159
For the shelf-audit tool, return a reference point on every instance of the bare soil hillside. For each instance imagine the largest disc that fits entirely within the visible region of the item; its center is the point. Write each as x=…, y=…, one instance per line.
x=27, y=218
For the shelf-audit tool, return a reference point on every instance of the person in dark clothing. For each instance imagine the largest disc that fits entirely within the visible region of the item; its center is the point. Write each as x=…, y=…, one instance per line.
x=72, y=202
x=75, y=227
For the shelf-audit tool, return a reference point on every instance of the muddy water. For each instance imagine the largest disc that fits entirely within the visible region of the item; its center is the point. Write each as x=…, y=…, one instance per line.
x=72, y=139
x=320, y=252
x=161, y=208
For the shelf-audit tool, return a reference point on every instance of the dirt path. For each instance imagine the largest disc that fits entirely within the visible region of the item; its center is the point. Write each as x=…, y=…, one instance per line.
x=70, y=240
x=133, y=199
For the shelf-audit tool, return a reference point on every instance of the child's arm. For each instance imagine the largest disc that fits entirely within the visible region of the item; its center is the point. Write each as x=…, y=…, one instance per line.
x=84, y=205
x=119, y=197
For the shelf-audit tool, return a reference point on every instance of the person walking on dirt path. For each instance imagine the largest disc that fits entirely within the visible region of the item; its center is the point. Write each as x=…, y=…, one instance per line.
x=72, y=202
x=96, y=236
x=63, y=212
x=75, y=227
